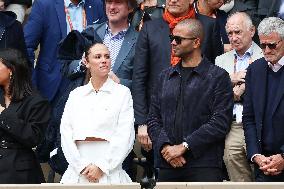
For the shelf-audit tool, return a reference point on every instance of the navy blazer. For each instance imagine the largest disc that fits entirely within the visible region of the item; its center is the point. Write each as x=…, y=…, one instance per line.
x=207, y=114
x=254, y=108
x=123, y=66
x=46, y=27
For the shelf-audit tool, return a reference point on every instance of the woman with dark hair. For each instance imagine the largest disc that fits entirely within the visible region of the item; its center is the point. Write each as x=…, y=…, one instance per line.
x=97, y=125
x=24, y=115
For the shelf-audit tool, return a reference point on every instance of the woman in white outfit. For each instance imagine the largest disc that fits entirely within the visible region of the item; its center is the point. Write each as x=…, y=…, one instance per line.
x=97, y=131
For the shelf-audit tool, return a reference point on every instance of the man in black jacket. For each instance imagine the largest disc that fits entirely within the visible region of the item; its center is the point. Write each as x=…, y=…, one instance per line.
x=191, y=112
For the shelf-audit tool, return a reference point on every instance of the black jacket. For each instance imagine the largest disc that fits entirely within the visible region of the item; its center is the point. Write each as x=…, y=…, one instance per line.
x=11, y=32
x=22, y=127
x=207, y=114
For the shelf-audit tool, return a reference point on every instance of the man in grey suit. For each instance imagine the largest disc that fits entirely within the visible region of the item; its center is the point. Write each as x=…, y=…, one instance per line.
x=240, y=32
x=120, y=38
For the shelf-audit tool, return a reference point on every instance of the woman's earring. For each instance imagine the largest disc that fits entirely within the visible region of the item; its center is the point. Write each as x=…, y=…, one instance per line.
x=10, y=75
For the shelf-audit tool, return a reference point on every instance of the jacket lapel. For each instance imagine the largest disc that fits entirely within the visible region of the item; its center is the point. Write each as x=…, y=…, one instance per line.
x=101, y=31
x=260, y=87
x=59, y=7
x=279, y=93
x=126, y=46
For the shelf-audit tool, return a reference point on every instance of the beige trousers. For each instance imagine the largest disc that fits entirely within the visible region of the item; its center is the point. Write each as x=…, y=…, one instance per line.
x=238, y=167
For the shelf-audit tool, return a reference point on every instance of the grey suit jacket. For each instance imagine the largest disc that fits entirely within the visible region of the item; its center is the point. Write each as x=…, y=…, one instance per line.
x=226, y=60
x=123, y=66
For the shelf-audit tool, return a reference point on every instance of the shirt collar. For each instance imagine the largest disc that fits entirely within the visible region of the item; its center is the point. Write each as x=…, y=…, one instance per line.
x=201, y=69
x=278, y=65
x=248, y=52
x=68, y=3
x=120, y=34
x=107, y=87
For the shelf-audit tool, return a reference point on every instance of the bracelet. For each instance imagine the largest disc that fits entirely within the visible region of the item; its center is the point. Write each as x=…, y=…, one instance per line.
x=142, y=125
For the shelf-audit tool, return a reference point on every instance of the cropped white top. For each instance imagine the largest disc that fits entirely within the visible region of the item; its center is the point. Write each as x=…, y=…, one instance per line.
x=106, y=114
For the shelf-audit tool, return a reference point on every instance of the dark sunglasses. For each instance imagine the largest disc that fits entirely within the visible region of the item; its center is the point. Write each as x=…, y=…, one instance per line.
x=178, y=39
x=269, y=45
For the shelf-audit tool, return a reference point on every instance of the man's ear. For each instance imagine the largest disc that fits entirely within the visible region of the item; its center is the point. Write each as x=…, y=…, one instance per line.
x=252, y=31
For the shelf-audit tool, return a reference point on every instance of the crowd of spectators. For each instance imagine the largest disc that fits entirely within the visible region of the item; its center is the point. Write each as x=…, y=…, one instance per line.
x=198, y=82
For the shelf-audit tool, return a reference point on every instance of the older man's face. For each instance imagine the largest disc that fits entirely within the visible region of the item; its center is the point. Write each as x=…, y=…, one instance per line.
x=272, y=46
x=178, y=8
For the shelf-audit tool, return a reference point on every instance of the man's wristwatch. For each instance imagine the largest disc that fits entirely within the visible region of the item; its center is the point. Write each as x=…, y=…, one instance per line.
x=184, y=144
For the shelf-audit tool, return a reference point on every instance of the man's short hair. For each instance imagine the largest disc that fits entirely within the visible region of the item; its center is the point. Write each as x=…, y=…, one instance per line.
x=271, y=25
x=194, y=26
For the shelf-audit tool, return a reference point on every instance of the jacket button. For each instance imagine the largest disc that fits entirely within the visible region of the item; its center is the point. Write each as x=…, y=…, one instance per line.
x=8, y=127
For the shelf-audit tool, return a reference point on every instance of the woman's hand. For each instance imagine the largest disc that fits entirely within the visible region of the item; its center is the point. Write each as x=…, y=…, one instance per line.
x=1, y=109
x=93, y=173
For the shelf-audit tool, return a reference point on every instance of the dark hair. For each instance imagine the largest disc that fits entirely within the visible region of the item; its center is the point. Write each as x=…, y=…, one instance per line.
x=20, y=82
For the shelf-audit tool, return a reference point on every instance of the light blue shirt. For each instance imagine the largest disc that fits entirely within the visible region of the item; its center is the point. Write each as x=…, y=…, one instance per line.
x=241, y=65
x=76, y=15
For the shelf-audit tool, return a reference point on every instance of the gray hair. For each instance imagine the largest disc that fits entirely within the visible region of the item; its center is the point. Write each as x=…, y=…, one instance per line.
x=271, y=25
x=247, y=19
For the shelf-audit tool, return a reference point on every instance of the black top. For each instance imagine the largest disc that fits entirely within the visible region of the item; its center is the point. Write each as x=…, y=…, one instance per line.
x=273, y=80
x=185, y=73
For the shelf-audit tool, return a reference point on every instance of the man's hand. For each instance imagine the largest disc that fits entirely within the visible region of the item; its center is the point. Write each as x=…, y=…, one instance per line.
x=178, y=162
x=227, y=47
x=275, y=166
x=113, y=77
x=171, y=152
x=238, y=91
x=144, y=138
x=261, y=160
x=93, y=173
x=238, y=77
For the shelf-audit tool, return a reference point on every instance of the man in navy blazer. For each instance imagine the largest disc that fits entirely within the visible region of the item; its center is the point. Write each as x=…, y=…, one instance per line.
x=263, y=114
x=47, y=26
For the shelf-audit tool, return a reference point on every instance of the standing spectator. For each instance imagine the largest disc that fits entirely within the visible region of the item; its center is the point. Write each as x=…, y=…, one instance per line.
x=120, y=38
x=11, y=32
x=24, y=116
x=263, y=115
x=190, y=112
x=209, y=11
x=2, y=5
x=147, y=10
x=48, y=23
x=153, y=54
x=97, y=126
x=240, y=31
x=19, y=7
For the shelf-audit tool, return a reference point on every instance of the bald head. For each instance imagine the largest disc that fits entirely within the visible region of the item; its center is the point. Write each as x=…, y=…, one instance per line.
x=194, y=27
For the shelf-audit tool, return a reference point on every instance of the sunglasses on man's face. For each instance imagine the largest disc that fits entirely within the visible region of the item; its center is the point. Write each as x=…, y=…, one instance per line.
x=269, y=45
x=179, y=39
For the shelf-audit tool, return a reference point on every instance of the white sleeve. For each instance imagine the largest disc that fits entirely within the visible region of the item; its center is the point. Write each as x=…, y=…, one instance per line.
x=68, y=145
x=122, y=140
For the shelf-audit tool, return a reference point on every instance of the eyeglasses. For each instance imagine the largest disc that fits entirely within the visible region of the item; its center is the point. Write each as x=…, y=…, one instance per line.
x=178, y=39
x=269, y=45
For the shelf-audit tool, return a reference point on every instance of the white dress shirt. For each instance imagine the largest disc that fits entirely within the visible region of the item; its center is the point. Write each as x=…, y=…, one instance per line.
x=106, y=114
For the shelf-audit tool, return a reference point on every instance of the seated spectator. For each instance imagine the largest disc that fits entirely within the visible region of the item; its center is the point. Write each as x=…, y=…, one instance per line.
x=147, y=10
x=95, y=152
x=24, y=115
x=11, y=32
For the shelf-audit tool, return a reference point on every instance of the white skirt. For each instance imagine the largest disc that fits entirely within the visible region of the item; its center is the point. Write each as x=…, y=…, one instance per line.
x=93, y=151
